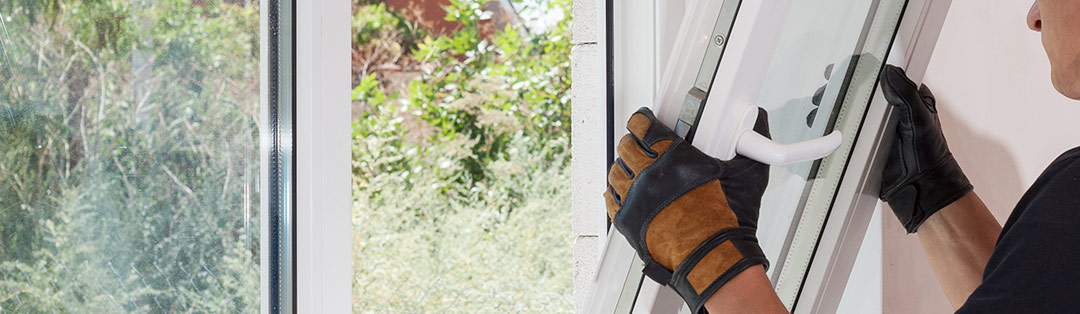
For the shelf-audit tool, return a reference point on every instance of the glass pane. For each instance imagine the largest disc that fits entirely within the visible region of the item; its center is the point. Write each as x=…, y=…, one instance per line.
x=820, y=79
x=129, y=156
x=461, y=157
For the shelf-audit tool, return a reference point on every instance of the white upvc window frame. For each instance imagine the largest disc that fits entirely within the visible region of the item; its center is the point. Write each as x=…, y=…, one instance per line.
x=321, y=195
x=323, y=156
x=856, y=196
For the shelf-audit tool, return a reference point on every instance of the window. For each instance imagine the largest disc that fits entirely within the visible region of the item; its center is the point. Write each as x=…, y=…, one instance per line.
x=461, y=157
x=129, y=156
x=813, y=65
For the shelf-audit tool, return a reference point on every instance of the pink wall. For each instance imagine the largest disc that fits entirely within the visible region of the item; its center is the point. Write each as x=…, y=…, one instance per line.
x=1004, y=122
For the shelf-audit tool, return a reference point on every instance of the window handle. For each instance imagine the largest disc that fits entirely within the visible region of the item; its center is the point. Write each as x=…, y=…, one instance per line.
x=742, y=139
x=758, y=147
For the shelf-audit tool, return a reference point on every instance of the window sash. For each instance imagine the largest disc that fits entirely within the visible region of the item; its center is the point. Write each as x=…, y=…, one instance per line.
x=837, y=243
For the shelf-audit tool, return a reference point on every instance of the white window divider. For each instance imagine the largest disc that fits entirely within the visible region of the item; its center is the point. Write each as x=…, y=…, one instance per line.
x=323, y=157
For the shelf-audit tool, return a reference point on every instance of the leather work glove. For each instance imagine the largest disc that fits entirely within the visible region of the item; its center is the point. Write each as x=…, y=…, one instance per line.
x=921, y=176
x=691, y=218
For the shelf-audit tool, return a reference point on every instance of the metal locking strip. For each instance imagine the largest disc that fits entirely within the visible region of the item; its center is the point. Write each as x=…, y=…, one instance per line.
x=694, y=103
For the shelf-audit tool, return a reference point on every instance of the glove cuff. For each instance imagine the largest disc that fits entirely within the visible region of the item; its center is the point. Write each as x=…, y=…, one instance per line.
x=713, y=263
x=929, y=192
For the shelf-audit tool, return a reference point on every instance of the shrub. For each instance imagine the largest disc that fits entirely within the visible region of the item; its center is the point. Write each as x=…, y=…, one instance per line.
x=461, y=178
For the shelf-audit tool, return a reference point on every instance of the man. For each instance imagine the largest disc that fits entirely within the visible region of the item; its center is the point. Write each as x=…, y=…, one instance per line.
x=693, y=219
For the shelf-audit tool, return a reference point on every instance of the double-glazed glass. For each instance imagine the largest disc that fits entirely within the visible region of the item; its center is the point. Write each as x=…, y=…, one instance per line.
x=129, y=156
x=820, y=79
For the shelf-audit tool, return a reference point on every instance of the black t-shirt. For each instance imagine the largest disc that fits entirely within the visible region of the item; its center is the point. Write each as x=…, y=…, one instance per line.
x=1035, y=267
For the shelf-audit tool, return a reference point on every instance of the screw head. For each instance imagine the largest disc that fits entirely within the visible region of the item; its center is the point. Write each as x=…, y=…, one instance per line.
x=719, y=40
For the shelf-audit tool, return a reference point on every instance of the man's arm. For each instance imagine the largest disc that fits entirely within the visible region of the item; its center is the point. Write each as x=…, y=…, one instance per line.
x=930, y=194
x=748, y=292
x=958, y=241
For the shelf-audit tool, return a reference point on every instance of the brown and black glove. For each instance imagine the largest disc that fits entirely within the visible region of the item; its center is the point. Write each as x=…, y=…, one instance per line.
x=691, y=218
x=921, y=176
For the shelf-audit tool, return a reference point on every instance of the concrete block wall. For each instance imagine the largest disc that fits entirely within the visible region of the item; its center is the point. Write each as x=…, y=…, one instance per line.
x=588, y=146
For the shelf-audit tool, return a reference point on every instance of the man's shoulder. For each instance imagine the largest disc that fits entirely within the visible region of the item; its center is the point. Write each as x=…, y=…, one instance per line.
x=1055, y=190
x=1032, y=268
x=1066, y=166
x=1071, y=156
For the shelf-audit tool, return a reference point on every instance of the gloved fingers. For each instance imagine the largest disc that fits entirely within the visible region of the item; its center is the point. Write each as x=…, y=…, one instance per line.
x=898, y=89
x=917, y=105
x=639, y=123
x=612, y=205
x=928, y=98
x=745, y=180
x=631, y=154
x=620, y=178
x=761, y=126
x=901, y=92
x=635, y=156
x=648, y=131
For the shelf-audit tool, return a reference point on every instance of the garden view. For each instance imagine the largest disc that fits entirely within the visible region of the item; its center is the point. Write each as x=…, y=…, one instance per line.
x=129, y=157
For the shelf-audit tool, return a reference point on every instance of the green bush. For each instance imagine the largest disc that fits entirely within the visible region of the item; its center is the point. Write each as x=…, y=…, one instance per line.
x=462, y=178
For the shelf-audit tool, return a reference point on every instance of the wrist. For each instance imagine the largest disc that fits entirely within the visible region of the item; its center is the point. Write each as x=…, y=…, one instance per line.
x=714, y=264
x=922, y=196
x=747, y=292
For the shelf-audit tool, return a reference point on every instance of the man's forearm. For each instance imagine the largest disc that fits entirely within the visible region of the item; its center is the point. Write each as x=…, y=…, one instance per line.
x=748, y=292
x=958, y=240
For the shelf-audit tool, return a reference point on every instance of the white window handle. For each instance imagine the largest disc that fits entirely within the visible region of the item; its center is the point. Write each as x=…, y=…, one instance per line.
x=742, y=139
x=758, y=147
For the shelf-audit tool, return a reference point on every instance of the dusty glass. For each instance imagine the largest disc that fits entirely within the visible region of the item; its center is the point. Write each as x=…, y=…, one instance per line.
x=129, y=156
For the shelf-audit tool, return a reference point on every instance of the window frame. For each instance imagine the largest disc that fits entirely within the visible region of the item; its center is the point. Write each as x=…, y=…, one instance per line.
x=324, y=157
x=318, y=82
x=856, y=197
x=853, y=207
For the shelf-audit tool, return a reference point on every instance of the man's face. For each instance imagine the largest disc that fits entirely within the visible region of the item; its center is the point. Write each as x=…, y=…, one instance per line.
x=1059, y=23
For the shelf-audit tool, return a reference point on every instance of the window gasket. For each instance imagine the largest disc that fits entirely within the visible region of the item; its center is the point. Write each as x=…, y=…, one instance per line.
x=279, y=163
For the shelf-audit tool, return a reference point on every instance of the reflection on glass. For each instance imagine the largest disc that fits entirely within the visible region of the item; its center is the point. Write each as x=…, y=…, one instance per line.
x=129, y=156
x=819, y=79
x=461, y=158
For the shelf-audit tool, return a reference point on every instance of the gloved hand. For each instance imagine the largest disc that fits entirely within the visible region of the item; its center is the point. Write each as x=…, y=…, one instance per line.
x=921, y=176
x=691, y=218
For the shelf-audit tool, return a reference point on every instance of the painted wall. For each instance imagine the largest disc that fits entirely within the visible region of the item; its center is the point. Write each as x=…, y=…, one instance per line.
x=1003, y=120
